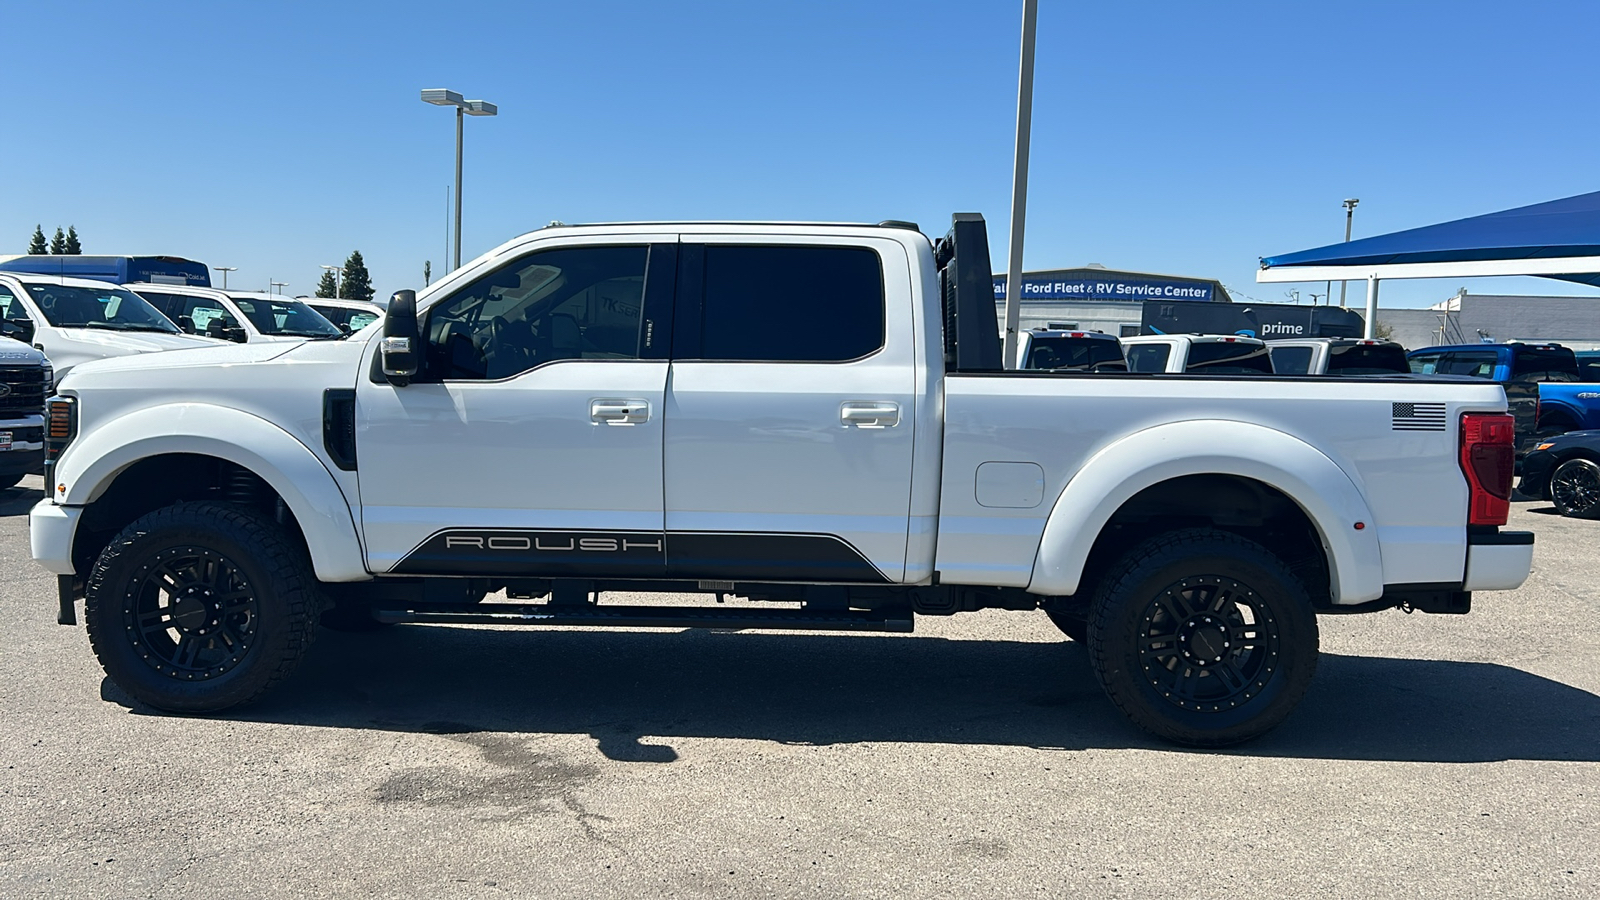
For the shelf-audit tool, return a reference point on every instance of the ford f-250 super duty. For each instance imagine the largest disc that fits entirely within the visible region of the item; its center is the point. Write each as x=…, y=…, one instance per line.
x=805, y=413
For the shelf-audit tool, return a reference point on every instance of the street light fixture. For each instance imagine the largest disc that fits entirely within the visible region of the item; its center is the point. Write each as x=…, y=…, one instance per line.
x=443, y=97
x=338, y=279
x=225, y=270
x=1349, y=216
x=277, y=284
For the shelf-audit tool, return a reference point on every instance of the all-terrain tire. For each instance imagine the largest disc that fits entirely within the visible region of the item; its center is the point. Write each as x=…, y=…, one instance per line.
x=198, y=607
x=1203, y=638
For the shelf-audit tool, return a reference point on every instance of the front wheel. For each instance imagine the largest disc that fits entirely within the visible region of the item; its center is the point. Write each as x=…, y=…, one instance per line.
x=1204, y=639
x=200, y=606
x=1575, y=488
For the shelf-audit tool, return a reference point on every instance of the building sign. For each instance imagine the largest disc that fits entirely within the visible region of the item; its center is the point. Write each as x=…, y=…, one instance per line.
x=1108, y=288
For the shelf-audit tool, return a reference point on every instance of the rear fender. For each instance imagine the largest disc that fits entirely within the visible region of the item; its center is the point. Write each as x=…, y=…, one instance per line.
x=93, y=461
x=1303, y=473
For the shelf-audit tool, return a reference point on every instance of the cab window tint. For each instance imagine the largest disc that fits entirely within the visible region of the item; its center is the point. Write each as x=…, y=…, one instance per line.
x=1474, y=364
x=566, y=303
x=1148, y=357
x=10, y=307
x=1291, y=360
x=1228, y=358
x=791, y=304
x=1363, y=359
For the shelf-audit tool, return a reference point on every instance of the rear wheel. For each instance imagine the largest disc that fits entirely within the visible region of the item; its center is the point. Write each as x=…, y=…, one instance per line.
x=1205, y=638
x=1575, y=488
x=200, y=606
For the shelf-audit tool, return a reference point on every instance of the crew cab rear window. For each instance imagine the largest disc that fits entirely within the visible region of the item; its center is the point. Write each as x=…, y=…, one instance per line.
x=1148, y=357
x=1364, y=359
x=1474, y=363
x=1222, y=358
x=1293, y=360
x=1071, y=353
x=1543, y=364
x=791, y=304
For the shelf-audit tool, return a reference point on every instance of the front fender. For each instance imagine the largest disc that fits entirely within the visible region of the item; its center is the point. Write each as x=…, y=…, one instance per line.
x=1212, y=447
x=92, y=462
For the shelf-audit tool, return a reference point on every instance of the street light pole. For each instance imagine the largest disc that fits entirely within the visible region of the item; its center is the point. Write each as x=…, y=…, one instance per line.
x=443, y=97
x=1349, y=216
x=338, y=279
x=225, y=270
x=1019, y=185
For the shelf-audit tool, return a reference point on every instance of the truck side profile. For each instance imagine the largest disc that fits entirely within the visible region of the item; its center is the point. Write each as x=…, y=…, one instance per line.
x=587, y=410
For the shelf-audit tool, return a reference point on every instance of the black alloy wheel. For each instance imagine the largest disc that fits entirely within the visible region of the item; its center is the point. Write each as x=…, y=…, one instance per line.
x=1575, y=488
x=1204, y=638
x=198, y=607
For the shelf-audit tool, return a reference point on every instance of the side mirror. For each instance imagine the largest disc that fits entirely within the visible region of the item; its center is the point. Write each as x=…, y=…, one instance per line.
x=186, y=324
x=401, y=344
x=18, y=329
x=238, y=335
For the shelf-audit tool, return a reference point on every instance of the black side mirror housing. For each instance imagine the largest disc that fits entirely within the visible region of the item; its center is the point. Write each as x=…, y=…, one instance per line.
x=185, y=324
x=401, y=344
x=17, y=329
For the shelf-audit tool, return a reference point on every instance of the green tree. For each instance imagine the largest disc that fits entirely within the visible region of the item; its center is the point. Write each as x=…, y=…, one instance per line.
x=329, y=285
x=357, y=280
x=427, y=272
x=58, y=244
x=37, y=246
x=73, y=248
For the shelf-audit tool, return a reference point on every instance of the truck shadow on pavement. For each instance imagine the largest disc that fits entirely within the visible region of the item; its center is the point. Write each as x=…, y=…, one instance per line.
x=18, y=500
x=634, y=692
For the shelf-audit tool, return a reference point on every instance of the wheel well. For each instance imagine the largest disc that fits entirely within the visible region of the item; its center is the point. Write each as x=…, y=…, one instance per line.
x=1557, y=418
x=1251, y=509
x=160, y=481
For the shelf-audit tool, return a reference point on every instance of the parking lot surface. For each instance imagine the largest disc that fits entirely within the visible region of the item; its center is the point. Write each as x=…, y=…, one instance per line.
x=1435, y=756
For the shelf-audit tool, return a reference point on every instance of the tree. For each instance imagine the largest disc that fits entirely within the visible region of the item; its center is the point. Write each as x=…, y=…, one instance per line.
x=329, y=285
x=357, y=280
x=427, y=272
x=37, y=246
x=58, y=244
x=73, y=248
x=1383, y=331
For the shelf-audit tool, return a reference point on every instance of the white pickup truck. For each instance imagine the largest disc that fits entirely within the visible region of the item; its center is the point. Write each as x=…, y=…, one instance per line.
x=805, y=413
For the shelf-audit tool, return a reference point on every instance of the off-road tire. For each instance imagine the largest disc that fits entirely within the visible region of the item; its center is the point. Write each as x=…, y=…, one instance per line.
x=257, y=627
x=1227, y=674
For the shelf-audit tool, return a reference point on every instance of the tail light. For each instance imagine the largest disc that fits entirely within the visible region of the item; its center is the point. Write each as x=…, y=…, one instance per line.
x=60, y=426
x=1488, y=455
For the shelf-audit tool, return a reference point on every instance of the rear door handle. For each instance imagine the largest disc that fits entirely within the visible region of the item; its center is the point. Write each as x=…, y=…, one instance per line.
x=869, y=414
x=611, y=411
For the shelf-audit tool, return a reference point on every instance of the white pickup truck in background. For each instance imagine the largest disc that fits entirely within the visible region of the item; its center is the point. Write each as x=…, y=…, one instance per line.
x=1208, y=354
x=805, y=413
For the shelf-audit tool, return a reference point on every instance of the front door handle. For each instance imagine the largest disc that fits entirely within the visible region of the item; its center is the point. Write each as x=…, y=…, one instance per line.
x=612, y=411
x=869, y=414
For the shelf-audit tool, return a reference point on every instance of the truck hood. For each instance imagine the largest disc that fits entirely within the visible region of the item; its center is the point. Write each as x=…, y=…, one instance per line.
x=125, y=342
x=211, y=353
x=14, y=353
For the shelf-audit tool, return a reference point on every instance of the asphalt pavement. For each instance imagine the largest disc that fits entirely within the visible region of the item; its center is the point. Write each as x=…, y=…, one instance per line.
x=1435, y=756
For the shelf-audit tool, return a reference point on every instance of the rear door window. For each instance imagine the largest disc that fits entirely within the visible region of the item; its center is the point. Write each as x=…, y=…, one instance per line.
x=789, y=304
x=1473, y=363
x=1229, y=358
x=1148, y=357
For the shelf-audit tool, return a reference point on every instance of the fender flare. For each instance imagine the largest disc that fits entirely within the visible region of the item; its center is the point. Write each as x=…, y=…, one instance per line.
x=93, y=461
x=1563, y=407
x=1323, y=490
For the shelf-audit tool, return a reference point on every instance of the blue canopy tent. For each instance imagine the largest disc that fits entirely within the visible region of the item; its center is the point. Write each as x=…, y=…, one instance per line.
x=1558, y=239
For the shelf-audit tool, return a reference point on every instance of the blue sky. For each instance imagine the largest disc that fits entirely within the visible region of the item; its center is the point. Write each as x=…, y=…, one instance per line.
x=1177, y=137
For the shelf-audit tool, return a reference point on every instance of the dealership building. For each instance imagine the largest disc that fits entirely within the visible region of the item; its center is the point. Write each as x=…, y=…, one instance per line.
x=1123, y=303
x=1467, y=318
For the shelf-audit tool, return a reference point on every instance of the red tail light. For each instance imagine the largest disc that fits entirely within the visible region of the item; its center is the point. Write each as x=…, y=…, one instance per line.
x=1488, y=455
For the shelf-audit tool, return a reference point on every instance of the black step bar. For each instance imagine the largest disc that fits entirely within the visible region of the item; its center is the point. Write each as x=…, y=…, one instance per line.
x=648, y=617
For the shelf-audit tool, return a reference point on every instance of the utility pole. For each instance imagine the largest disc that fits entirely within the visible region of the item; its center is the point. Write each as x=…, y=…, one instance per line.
x=1349, y=216
x=1019, y=184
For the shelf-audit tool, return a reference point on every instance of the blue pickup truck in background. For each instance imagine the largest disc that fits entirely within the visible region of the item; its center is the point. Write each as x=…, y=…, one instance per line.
x=1544, y=384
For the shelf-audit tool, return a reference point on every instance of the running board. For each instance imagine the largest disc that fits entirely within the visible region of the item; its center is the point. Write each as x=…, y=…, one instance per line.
x=648, y=617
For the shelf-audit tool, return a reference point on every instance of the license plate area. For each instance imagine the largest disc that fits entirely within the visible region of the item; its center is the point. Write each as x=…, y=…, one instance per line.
x=5, y=440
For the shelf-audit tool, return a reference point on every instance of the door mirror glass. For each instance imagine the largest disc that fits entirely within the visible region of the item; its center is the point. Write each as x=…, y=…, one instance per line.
x=400, y=339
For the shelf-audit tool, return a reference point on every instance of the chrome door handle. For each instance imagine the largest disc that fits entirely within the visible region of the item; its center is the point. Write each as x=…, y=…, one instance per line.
x=619, y=412
x=869, y=414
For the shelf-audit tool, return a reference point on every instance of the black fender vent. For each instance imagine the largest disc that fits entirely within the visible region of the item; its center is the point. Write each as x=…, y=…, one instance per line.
x=339, y=426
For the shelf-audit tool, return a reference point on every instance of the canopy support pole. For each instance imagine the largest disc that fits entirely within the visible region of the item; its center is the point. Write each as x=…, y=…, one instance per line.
x=1372, y=307
x=1019, y=189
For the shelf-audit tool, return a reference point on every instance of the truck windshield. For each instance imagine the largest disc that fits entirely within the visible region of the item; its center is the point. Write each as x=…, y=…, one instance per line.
x=1228, y=358
x=110, y=308
x=1366, y=359
x=290, y=317
x=1544, y=364
x=1071, y=353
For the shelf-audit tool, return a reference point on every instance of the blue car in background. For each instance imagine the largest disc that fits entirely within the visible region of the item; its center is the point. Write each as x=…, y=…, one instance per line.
x=1542, y=382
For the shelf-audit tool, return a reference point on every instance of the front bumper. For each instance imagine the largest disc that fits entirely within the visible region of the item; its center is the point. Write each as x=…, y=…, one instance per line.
x=1499, y=561
x=25, y=456
x=50, y=531
x=1535, y=471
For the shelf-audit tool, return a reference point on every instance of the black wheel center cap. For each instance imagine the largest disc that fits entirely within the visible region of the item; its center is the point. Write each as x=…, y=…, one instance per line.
x=191, y=609
x=1204, y=640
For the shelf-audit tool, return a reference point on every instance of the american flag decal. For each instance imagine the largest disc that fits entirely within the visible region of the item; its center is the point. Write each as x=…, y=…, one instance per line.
x=1419, y=417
